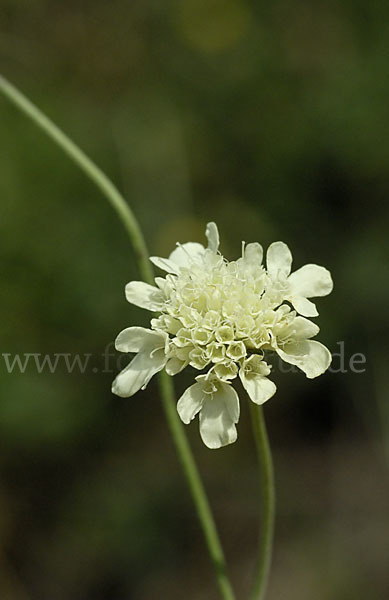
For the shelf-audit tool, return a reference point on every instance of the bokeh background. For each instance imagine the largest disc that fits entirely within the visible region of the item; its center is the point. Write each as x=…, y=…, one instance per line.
x=273, y=121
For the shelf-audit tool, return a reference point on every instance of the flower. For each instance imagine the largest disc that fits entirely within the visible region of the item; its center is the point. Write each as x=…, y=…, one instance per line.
x=224, y=318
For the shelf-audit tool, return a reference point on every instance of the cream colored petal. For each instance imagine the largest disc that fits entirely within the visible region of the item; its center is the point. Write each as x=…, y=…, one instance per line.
x=259, y=388
x=312, y=357
x=253, y=253
x=174, y=365
x=303, y=329
x=278, y=259
x=212, y=234
x=190, y=402
x=137, y=339
x=138, y=373
x=186, y=254
x=303, y=306
x=165, y=264
x=311, y=281
x=144, y=295
x=164, y=285
x=218, y=415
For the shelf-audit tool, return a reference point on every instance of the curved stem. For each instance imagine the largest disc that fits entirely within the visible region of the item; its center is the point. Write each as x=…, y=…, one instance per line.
x=266, y=480
x=200, y=499
x=131, y=225
x=92, y=171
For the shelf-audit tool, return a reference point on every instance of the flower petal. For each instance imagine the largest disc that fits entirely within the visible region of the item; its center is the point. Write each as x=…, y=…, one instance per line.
x=279, y=259
x=311, y=281
x=138, y=373
x=175, y=365
x=212, y=234
x=164, y=285
x=138, y=339
x=304, y=306
x=259, y=388
x=253, y=254
x=219, y=413
x=191, y=402
x=310, y=356
x=165, y=264
x=186, y=254
x=144, y=295
x=303, y=329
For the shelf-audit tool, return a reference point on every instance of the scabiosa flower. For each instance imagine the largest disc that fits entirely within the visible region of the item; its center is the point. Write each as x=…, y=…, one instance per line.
x=223, y=318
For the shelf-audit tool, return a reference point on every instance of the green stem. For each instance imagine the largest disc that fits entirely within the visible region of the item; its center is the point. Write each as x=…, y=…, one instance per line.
x=266, y=480
x=92, y=171
x=131, y=225
x=200, y=499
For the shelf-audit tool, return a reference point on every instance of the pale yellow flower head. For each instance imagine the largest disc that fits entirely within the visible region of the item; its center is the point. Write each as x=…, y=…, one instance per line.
x=222, y=318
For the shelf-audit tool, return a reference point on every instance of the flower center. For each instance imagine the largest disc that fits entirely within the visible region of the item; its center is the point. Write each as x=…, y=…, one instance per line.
x=220, y=312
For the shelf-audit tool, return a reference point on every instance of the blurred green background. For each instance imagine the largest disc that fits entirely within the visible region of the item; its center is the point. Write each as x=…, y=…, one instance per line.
x=273, y=121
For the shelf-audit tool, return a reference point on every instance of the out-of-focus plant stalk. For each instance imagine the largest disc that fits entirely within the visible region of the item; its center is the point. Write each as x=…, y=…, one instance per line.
x=124, y=212
x=267, y=511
